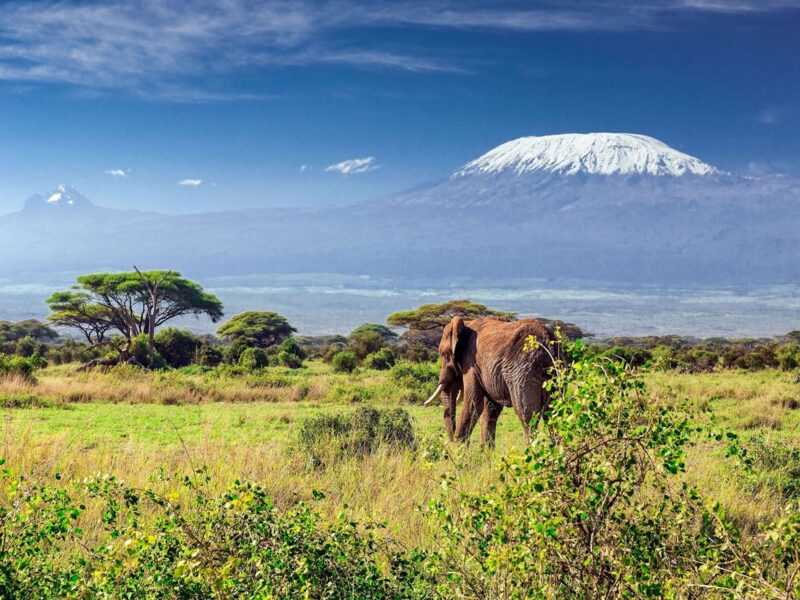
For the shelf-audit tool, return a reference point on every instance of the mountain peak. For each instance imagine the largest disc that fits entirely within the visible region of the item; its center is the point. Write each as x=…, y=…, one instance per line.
x=64, y=195
x=588, y=153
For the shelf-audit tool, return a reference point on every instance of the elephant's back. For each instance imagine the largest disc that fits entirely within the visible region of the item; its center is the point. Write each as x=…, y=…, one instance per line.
x=529, y=339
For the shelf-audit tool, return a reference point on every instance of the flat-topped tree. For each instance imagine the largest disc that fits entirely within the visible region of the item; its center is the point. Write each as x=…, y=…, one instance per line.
x=129, y=304
x=434, y=316
x=425, y=323
x=260, y=329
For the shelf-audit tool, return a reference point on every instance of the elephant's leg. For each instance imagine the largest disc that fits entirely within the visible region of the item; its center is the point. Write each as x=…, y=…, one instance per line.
x=471, y=410
x=489, y=417
x=529, y=402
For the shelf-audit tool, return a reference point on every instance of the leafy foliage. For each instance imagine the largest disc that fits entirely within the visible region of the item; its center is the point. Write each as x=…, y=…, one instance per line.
x=419, y=378
x=254, y=358
x=233, y=545
x=177, y=346
x=257, y=328
x=21, y=366
x=12, y=333
x=344, y=361
x=326, y=438
x=129, y=304
x=381, y=360
x=593, y=508
x=291, y=354
x=435, y=316
x=386, y=334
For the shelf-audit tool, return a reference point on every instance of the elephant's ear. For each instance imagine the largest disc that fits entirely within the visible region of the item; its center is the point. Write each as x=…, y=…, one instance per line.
x=456, y=329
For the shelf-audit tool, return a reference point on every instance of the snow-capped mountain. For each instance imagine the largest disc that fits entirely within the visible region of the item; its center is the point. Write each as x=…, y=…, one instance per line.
x=64, y=196
x=601, y=207
x=589, y=153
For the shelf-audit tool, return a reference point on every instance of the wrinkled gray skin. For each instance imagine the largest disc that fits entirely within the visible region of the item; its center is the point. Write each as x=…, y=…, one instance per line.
x=487, y=361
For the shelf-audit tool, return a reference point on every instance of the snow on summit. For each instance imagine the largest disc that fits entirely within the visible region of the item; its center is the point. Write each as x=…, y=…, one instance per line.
x=590, y=153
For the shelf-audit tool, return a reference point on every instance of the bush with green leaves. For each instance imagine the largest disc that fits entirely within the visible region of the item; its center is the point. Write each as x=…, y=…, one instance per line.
x=176, y=346
x=344, y=361
x=595, y=507
x=366, y=343
x=21, y=366
x=419, y=378
x=237, y=544
x=331, y=437
x=254, y=358
x=144, y=355
x=381, y=360
x=291, y=354
x=208, y=356
x=788, y=356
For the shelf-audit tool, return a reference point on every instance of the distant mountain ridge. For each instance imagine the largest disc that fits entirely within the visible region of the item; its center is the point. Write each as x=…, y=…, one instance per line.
x=605, y=207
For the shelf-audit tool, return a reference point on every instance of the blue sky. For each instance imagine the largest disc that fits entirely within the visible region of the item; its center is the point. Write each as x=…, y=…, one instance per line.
x=197, y=106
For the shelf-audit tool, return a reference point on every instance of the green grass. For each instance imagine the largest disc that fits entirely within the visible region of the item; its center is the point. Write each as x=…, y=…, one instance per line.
x=133, y=423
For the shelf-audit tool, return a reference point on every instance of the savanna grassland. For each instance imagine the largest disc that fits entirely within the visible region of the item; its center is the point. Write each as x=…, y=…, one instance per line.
x=149, y=430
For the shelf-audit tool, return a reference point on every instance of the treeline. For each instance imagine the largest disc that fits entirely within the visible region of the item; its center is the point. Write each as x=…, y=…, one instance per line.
x=693, y=355
x=124, y=318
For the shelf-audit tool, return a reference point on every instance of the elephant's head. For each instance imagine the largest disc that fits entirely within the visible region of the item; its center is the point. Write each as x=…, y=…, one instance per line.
x=451, y=374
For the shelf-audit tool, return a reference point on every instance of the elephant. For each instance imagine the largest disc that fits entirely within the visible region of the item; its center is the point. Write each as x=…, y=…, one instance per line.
x=488, y=362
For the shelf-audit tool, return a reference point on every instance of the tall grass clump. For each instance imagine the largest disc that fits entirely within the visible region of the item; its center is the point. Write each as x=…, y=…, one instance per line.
x=331, y=437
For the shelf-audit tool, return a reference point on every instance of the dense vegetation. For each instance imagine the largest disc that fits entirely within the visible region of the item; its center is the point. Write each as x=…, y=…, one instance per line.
x=603, y=501
x=263, y=464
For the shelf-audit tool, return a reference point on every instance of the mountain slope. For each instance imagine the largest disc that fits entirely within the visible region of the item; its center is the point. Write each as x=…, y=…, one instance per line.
x=611, y=207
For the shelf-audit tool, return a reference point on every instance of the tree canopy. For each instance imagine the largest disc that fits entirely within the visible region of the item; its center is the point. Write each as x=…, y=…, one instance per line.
x=384, y=332
x=129, y=304
x=435, y=316
x=11, y=332
x=257, y=328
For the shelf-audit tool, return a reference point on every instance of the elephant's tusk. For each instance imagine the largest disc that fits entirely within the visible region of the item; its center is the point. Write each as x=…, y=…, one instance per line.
x=458, y=396
x=434, y=395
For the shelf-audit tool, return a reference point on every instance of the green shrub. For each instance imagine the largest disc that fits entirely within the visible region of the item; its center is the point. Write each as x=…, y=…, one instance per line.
x=253, y=358
x=208, y=356
x=366, y=343
x=344, y=362
x=350, y=394
x=291, y=354
x=27, y=346
x=788, y=356
x=327, y=438
x=140, y=350
x=635, y=357
x=176, y=346
x=593, y=507
x=417, y=352
x=20, y=365
x=381, y=360
x=420, y=379
x=236, y=544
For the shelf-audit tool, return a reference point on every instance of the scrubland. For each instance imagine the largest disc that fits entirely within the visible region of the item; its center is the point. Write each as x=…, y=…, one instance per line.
x=156, y=431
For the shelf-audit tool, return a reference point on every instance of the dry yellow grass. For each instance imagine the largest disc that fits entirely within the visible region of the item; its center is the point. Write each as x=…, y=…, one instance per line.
x=248, y=436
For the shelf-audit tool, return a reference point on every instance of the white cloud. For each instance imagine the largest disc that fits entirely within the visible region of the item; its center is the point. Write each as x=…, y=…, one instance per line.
x=190, y=182
x=118, y=172
x=157, y=49
x=304, y=168
x=354, y=166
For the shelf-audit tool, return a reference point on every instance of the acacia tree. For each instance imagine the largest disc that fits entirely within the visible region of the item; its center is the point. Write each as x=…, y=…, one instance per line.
x=424, y=324
x=129, y=304
x=257, y=328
